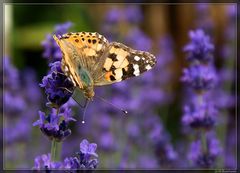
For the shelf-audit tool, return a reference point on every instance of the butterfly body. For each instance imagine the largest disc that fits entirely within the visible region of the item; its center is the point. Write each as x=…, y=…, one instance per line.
x=90, y=60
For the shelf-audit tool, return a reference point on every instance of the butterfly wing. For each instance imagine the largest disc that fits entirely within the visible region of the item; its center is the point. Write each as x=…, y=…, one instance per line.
x=89, y=45
x=81, y=50
x=69, y=55
x=120, y=62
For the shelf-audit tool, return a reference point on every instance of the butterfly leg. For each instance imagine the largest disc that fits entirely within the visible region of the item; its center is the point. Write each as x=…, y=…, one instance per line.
x=59, y=73
x=66, y=89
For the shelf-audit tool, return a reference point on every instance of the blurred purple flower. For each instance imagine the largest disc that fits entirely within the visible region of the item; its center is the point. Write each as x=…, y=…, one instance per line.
x=143, y=42
x=200, y=48
x=11, y=75
x=113, y=15
x=20, y=100
x=203, y=17
x=201, y=111
x=57, y=86
x=51, y=49
x=133, y=14
x=44, y=162
x=199, y=116
x=200, y=77
x=203, y=158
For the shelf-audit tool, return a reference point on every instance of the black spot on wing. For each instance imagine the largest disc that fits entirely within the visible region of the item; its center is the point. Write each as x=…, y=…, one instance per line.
x=125, y=74
x=112, y=78
x=113, y=56
x=128, y=72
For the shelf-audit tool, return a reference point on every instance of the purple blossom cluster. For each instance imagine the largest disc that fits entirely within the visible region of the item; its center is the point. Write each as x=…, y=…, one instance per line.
x=59, y=90
x=203, y=19
x=21, y=97
x=225, y=90
x=51, y=50
x=85, y=159
x=55, y=125
x=58, y=86
x=200, y=113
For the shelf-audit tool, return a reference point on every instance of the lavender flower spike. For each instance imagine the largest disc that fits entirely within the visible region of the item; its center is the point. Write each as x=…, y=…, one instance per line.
x=55, y=126
x=57, y=86
x=51, y=49
x=200, y=48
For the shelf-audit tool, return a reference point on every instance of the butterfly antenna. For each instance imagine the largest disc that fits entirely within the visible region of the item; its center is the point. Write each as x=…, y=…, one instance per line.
x=84, y=111
x=124, y=111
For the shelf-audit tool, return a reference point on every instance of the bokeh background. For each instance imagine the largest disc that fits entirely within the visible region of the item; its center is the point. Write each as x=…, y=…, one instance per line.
x=152, y=135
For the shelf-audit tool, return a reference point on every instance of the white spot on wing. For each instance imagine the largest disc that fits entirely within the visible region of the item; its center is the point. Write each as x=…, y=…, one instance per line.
x=148, y=67
x=136, y=70
x=136, y=58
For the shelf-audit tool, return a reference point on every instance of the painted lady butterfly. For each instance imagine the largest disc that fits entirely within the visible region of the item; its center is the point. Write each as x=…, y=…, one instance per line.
x=90, y=60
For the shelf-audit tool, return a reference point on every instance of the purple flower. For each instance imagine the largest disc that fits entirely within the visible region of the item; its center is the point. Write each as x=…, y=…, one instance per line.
x=11, y=75
x=133, y=14
x=199, y=115
x=200, y=48
x=200, y=77
x=203, y=158
x=55, y=126
x=83, y=159
x=88, y=148
x=44, y=162
x=113, y=15
x=51, y=49
x=143, y=42
x=57, y=86
x=79, y=162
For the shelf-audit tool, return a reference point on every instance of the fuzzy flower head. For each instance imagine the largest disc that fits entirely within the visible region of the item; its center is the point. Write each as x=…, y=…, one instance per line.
x=200, y=48
x=143, y=41
x=10, y=74
x=200, y=77
x=55, y=126
x=202, y=158
x=200, y=115
x=57, y=86
x=44, y=162
x=51, y=49
x=131, y=14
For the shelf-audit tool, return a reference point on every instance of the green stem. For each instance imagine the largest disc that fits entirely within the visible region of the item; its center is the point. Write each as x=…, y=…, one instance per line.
x=203, y=132
x=56, y=148
x=204, y=142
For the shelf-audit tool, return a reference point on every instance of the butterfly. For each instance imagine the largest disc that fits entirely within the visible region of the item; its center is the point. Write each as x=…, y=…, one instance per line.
x=90, y=60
